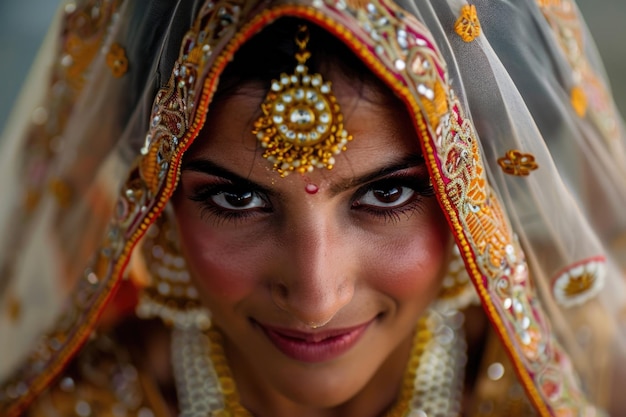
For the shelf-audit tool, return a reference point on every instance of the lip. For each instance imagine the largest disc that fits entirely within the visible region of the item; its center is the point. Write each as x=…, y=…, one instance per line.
x=314, y=347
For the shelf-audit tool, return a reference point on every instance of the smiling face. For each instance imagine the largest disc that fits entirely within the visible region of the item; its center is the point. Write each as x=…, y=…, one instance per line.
x=358, y=250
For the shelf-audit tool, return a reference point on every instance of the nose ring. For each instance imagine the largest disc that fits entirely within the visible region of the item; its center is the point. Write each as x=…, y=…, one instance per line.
x=314, y=325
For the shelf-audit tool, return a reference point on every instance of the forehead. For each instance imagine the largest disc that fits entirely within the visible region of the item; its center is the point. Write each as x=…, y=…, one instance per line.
x=379, y=123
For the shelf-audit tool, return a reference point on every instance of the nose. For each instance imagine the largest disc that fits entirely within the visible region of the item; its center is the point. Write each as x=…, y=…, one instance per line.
x=316, y=278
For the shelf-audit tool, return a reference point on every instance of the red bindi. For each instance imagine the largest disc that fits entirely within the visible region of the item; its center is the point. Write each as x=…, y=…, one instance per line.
x=311, y=188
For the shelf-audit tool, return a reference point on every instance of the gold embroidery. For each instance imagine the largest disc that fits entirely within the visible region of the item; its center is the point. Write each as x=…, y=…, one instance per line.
x=469, y=190
x=31, y=200
x=580, y=282
x=357, y=4
x=590, y=95
x=61, y=192
x=467, y=25
x=149, y=168
x=549, y=3
x=578, y=285
x=438, y=106
x=578, y=98
x=117, y=60
x=86, y=30
x=517, y=163
x=14, y=308
x=195, y=55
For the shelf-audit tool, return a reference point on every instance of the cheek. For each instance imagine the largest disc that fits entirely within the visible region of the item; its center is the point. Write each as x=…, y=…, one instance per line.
x=412, y=267
x=221, y=266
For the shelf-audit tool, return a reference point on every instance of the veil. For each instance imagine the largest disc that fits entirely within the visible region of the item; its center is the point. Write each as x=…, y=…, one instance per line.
x=525, y=149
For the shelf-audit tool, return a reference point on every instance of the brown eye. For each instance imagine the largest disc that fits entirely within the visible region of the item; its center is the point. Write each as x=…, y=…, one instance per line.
x=239, y=200
x=387, y=197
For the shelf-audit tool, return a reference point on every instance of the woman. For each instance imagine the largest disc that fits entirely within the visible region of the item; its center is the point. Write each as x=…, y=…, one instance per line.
x=293, y=208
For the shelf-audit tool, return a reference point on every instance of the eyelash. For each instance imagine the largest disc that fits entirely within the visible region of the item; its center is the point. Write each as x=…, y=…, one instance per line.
x=204, y=194
x=420, y=186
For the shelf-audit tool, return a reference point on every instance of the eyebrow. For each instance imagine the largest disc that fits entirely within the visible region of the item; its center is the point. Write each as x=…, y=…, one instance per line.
x=209, y=167
x=409, y=161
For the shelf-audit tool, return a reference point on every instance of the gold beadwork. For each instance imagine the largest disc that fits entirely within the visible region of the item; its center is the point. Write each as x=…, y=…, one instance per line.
x=517, y=163
x=302, y=125
x=117, y=60
x=457, y=291
x=227, y=383
x=170, y=296
x=467, y=25
x=423, y=335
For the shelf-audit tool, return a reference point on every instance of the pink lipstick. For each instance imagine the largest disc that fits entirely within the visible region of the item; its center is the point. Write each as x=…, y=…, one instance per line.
x=317, y=346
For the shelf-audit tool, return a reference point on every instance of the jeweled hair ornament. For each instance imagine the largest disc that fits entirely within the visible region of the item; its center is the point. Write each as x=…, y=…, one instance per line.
x=302, y=125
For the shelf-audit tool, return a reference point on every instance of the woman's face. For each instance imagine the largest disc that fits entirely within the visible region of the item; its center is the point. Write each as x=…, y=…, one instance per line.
x=358, y=250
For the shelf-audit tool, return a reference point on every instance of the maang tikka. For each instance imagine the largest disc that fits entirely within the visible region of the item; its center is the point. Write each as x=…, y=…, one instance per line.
x=302, y=125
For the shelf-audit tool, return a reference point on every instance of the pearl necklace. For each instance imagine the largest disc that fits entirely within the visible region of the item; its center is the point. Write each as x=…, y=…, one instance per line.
x=432, y=384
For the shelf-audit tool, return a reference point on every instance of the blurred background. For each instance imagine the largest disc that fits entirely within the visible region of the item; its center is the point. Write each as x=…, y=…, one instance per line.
x=23, y=24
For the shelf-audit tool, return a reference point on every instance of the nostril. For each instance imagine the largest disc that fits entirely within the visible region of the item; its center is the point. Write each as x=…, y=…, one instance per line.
x=279, y=295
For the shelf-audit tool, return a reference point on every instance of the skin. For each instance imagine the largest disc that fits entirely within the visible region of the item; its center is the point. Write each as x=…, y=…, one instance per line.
x=371, y=245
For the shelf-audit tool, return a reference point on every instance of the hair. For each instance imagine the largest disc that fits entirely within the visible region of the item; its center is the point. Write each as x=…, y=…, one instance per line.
x=272, y=52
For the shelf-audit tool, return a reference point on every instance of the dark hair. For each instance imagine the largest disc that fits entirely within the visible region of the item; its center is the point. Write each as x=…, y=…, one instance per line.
x=272, y=52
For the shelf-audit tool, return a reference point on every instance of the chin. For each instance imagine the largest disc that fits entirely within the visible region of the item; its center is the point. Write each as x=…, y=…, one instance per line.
x=327, y=388
x=335, y=383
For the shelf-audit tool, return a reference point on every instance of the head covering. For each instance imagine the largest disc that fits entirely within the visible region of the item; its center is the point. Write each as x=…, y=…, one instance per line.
x=523, y=145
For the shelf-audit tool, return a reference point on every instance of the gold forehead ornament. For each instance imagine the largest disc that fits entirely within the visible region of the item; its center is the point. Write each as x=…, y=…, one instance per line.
x=302, y=126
